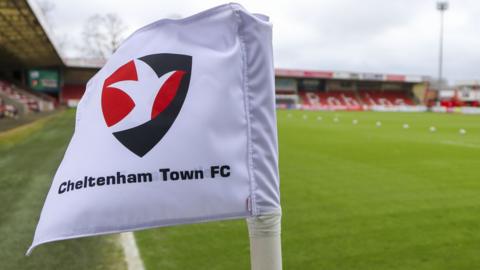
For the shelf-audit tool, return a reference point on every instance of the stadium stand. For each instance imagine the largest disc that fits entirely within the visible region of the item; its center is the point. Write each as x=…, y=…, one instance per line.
x=286, y=92
x=2, y=108
x=25, y=45
x=464, y=93
x=7, y=110
x=26, y=101
x=329, y=90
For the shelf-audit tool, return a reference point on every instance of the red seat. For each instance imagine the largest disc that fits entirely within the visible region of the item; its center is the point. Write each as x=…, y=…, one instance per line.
x=330, y=100
x=73, y=92
x=30, y=101
x=385, y=98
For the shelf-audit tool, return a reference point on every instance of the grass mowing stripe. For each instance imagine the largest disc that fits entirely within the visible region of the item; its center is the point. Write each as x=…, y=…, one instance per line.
x=10, y=137
x=29, y=157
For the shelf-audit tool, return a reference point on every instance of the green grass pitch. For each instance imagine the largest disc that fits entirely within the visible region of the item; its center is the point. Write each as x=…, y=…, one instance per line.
x=355, y=196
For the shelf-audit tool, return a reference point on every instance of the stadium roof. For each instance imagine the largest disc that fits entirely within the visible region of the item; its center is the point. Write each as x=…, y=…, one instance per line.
x=24, y=38
x=341, y=75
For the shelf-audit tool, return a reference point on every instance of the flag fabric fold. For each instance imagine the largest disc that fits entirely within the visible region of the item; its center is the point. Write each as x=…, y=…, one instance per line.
x=178, y=127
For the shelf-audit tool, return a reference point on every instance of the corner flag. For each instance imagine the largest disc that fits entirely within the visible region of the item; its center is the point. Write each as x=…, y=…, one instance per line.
x=178, y=127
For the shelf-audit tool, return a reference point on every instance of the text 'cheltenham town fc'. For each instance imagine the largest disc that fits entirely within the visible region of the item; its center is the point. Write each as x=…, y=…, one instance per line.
x=166, y=174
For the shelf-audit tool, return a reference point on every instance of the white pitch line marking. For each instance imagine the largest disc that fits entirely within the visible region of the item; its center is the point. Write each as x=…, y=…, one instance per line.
x=461, y=144
x=130, y=249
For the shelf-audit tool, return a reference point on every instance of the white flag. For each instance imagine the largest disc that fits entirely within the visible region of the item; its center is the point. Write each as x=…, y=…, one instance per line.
x=178, y=127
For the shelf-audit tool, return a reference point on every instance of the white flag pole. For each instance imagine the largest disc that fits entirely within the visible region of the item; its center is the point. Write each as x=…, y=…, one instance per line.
x=265, y=242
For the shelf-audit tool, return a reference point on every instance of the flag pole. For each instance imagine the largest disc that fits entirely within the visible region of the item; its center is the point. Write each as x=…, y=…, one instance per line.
x=265, y=242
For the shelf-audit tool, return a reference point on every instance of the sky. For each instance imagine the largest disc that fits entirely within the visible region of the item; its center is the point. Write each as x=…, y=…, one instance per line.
x=397, y=37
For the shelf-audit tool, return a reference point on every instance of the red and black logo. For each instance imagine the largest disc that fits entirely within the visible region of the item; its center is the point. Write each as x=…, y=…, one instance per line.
x=117, y=104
